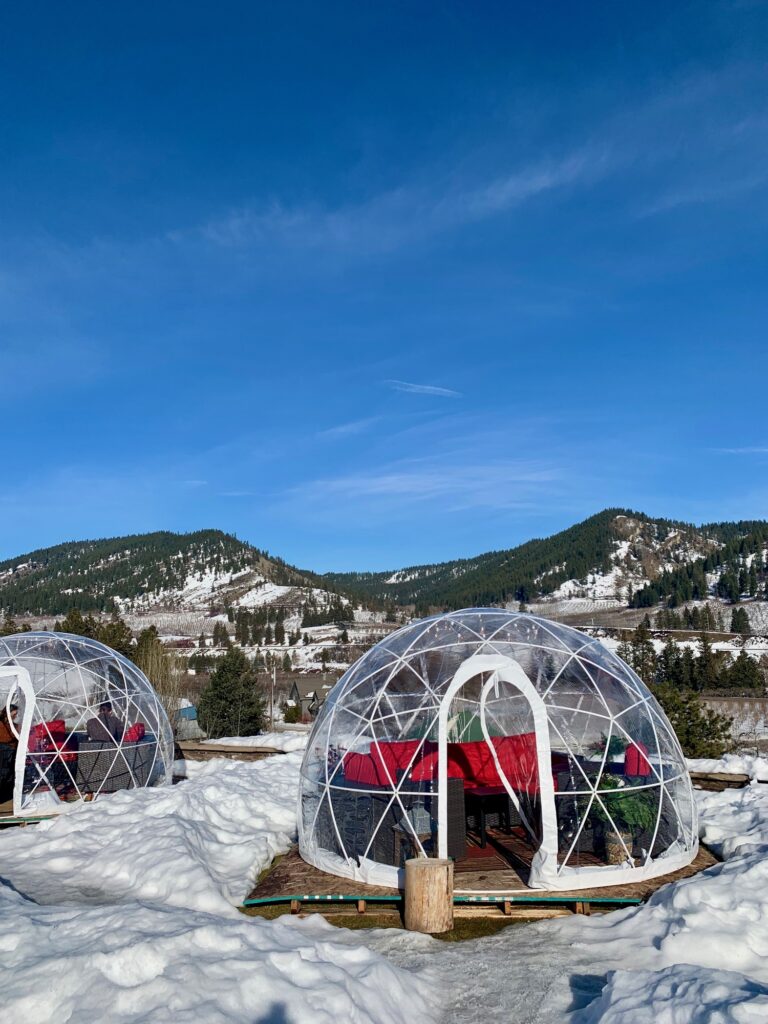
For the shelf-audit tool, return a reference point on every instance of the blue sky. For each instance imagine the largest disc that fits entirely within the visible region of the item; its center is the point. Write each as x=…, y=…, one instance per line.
x=379, y=284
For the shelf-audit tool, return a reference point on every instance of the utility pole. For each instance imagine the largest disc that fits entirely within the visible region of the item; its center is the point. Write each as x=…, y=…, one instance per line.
x=272, y=699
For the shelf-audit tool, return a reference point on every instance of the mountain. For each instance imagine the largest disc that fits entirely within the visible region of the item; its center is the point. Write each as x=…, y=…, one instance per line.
x=609, y=558
x=185, y=570
x=614, y=559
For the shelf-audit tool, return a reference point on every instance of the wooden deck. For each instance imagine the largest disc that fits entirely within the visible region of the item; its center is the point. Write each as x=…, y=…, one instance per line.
x=293, y=878
x=208, y=751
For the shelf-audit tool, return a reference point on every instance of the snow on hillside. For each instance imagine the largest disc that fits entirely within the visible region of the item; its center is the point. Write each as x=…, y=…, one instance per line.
x=638, y=556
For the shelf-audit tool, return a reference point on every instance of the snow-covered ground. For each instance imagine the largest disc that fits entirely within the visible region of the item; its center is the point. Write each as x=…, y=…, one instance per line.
x=287, y=740
x=734, y=764
x=198, y=845
x=696, y=953
x=124, y=910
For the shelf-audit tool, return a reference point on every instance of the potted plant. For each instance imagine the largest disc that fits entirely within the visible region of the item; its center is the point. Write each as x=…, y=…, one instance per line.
x=632, y=811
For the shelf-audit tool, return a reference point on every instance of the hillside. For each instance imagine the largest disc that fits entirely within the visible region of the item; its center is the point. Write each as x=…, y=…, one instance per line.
x=190, y=570
x=609, y=558
x=613, y=560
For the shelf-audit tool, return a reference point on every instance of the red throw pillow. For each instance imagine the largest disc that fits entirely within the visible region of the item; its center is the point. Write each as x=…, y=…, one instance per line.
x=134, y=733
x=635, y=762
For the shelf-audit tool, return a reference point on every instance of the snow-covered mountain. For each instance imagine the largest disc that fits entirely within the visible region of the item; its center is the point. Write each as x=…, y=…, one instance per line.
x=205, y=572
x=612, y=560
x=604, y=561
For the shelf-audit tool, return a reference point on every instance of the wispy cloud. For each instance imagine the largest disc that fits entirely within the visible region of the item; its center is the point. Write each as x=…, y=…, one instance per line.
x=349, y=429
x=423, y=389
x=390, y=219
x=396, y=489
x=749, y=450
x=699, y=194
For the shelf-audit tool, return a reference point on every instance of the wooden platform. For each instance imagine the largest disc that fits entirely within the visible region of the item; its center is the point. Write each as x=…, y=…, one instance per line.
x=208, y=751
x=293, y=878
x=717, y=782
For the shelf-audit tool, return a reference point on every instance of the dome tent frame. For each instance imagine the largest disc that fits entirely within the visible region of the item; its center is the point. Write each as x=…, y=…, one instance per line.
x=60, y=681
x=562, y=692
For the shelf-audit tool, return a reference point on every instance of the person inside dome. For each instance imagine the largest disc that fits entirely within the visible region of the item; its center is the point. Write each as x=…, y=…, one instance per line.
x=8, y=745
x=106, y=726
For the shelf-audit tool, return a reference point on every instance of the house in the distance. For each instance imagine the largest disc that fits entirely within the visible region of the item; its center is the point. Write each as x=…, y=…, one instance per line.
x=309, y=693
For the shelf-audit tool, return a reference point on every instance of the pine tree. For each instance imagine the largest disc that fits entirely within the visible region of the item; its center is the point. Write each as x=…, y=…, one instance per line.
x=740, y=621
x=752, y=579
x=707, y=665
x=701, y=731
x=232, y=704
x=116, y=634
x=79, y=625
x=643, y=653
x=744, y=674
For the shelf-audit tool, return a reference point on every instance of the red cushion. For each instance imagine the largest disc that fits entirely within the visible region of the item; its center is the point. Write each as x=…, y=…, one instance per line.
x=134, y=733
x=362, y=768
x=635, y=761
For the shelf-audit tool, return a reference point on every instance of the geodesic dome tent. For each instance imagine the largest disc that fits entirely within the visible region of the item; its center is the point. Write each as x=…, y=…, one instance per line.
x=490, y=726
x=88, y=723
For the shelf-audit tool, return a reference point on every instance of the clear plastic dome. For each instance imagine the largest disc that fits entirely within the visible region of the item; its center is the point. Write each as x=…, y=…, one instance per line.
x=484, y=726
x=79, y=721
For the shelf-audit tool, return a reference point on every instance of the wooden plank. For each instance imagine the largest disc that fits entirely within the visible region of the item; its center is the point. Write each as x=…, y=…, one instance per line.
x=204, y=752
x=293, y=875
x=716, y=782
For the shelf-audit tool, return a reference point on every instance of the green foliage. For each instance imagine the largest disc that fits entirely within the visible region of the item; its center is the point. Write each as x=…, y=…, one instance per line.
x=115, y=632
x=709, y=671
x=732, y=544
x=745, y=674
x=337, y=611
x=233, y=703
x=740, y=622
x=701, y=731
x=615, y=747
x=292, y=715
x=630, y=809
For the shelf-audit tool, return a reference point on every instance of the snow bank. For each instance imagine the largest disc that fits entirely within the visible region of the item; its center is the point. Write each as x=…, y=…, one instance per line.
x=735, y=764
x=134, y=921
x=200, y=844
x=137, y=964
x=697, y=949
x=735, y=821
x=287, y=740
x=681, y=994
